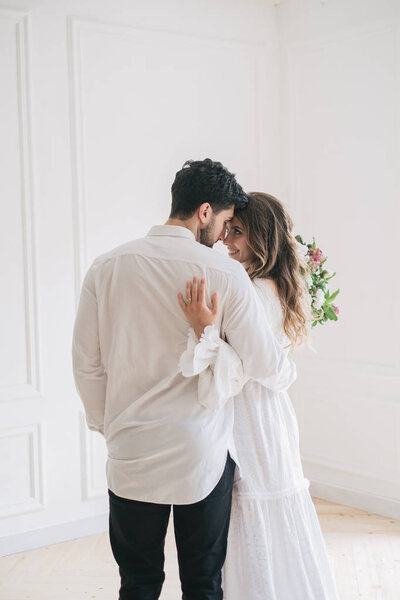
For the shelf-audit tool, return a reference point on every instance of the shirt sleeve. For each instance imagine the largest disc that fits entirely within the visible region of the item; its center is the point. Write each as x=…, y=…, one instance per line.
x=90, y=376
x=246, y=328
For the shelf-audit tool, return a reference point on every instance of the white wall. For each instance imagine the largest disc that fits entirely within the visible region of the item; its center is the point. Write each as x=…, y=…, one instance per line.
x=102, y=101
x=340, y=67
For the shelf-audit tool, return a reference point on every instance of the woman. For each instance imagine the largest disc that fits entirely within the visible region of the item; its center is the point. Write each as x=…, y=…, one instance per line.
x=275, y=546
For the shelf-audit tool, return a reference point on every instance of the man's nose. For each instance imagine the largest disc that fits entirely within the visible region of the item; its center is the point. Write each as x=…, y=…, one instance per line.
x=221, y=236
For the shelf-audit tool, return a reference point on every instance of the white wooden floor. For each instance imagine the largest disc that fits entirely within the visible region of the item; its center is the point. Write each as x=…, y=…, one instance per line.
x=364, y=551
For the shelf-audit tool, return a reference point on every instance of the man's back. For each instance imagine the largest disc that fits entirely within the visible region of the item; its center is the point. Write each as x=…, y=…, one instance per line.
x=163, y=445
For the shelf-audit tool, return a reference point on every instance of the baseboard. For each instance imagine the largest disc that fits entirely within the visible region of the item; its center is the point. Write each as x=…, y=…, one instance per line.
x=54, y=534
x=28, y=540
x=378, y=505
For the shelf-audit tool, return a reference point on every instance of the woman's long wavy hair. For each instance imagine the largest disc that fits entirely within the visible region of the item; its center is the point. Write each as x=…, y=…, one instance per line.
x=268, y=229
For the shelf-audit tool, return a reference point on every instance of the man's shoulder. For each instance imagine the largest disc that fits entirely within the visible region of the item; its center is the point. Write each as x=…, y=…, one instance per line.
x=215, y=260
x=130, y=247
x=197, y=254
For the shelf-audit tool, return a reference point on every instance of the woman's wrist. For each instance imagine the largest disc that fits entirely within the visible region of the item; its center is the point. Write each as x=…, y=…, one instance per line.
x=199, y=329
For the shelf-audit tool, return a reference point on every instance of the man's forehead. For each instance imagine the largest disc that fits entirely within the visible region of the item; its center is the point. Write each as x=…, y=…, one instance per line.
x=227, y=214
x=235, y=220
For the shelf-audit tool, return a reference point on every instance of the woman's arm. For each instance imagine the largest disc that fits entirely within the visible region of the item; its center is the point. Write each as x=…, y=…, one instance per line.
x=248, y=333
x=218, y=366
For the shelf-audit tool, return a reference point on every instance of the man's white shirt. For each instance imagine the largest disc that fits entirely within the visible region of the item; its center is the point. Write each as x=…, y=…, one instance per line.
x=163, y=445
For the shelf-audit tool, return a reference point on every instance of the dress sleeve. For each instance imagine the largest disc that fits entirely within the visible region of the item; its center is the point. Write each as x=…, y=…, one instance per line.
x=218, y=366
x=246, y=327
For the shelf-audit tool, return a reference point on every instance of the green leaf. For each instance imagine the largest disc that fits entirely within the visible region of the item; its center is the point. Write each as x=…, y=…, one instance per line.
x=333, y=296
x=330, y=276
x=330, y=313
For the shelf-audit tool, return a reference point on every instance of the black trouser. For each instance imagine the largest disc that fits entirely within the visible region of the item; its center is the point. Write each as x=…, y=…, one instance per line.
x=137, y=535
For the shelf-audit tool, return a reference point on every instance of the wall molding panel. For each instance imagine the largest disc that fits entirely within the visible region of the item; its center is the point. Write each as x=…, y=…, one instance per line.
x=92, y=446
x=342, y=152
x=27, y=458
x=377, y=383
x=31, y=388
x=76, y=117
x=387, y=370
x=76, y=29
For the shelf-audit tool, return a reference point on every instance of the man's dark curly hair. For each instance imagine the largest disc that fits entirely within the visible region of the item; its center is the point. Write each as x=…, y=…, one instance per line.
x=202, y=181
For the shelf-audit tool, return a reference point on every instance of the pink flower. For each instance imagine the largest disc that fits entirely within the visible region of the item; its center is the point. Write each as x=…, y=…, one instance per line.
x=336, y=309
x=316, y=255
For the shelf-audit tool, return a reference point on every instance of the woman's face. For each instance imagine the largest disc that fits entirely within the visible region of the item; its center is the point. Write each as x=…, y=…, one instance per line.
x=236, y=242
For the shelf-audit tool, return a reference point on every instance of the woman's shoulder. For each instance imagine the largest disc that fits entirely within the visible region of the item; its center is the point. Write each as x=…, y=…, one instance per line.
x=267, y=291
x=267, y=288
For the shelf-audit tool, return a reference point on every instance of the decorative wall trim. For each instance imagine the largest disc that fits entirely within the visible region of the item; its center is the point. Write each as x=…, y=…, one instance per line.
x=36, y=470
x=32, y=386
x=363, y=381
x=371, y=368
x=88, y=454
x=70, y=530
x=337, y=466
x=390, y=371
x=75, y=26
x=93, y=24
x=354, y=33
x=373, y=503
x=77, y=154
x=348, y=484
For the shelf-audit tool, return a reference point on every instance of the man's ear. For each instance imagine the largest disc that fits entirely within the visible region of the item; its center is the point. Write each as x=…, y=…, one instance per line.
x=205, y=212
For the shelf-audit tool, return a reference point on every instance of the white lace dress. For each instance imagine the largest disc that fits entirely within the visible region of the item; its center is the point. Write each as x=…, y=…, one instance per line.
x=275, y=546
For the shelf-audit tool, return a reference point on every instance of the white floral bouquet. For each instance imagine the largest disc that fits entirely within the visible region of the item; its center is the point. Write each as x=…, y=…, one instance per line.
x=322, y=307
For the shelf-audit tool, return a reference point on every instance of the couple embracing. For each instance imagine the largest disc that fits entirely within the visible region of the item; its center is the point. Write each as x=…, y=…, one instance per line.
x=181, y=358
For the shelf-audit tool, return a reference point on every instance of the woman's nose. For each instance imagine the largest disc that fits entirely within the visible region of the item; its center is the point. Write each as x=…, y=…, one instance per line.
x=225, y=240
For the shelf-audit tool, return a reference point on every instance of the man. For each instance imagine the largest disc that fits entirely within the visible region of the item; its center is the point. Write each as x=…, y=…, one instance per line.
x=164, y=447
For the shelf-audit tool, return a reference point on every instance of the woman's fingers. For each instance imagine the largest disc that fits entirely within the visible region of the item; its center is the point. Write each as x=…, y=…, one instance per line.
x=188, y=291
x=181, y=301
x=195, y=286
x=214, y=304
x=202, y=291
x=195, y=300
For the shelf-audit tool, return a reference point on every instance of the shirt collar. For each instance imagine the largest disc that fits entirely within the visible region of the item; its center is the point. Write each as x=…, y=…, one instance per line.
x=172, y=231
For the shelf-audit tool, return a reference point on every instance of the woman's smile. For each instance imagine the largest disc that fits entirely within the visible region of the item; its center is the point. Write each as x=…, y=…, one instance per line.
x=236, y=241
